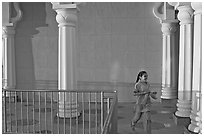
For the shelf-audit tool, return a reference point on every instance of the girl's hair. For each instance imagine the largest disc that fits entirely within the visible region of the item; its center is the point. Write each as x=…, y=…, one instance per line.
x=140, y=74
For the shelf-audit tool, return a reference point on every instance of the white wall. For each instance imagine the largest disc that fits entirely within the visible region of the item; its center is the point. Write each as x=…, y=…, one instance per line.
x=115, y=41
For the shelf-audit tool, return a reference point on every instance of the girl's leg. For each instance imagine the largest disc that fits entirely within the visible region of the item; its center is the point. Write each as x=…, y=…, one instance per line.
x=137, y=115
x=136, y=118
x=147, y=122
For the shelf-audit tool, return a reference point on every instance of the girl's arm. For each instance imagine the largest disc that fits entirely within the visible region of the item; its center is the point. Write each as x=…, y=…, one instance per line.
x=137, y=90
x=144, y=101
x=140, y=93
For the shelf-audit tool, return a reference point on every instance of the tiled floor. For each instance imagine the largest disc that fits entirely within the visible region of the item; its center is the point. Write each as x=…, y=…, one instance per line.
x=161, y=115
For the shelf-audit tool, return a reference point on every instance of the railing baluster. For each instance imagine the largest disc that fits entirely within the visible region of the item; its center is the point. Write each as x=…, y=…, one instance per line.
x=108, y=105
x=102, y=94
x=5, y=117
x=58, y=112
x=64, y=116
x=33, y=112
x=87, y=99
x=77, y=118
x=52, y=113
x=83, y=112
x=89, y=112
x=16, y=112
x=22, y=112
x=45, y=112
x=27, y=113
x=39, y=113
x=96, y=118
x=70, y=119
x=10, y=111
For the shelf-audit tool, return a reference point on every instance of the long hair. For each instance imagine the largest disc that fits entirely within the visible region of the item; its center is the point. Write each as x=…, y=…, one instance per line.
x=140, y=74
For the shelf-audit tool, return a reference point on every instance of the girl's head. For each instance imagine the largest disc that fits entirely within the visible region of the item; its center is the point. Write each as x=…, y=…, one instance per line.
x=142, y=76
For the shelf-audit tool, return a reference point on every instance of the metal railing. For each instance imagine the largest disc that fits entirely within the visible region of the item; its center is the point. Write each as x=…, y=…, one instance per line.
x=59, y=111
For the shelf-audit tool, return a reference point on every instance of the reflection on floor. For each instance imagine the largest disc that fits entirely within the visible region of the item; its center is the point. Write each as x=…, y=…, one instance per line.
x=161, y=115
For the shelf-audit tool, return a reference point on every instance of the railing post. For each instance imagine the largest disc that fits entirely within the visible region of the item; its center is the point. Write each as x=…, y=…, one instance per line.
x=5, y=118
x=102, y=111
x=114, y=128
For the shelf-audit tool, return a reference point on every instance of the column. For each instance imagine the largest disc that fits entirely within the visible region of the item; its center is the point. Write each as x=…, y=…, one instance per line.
x=9, y=74
x=170, y=50
x=185, y=17
x=196, y=112
x=8, y=46
x=170, y=60
x=67, y=19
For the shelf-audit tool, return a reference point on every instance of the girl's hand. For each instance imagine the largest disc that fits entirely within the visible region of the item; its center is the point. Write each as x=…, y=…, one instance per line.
x=153, y=95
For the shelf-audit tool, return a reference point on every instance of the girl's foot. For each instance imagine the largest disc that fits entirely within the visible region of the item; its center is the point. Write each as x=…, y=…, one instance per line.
x=132, y=126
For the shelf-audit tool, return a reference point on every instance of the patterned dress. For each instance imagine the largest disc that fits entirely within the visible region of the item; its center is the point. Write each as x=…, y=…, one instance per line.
x=143, y=102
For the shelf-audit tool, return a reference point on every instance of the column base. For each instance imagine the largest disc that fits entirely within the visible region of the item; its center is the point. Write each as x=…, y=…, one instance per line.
x=181, y=121
x=196, y=122
x=68, y=110
x=169, y=101
x=193, y=128
x=169, y=93
x=183, y=108
x=186, y=131
x=68, y=115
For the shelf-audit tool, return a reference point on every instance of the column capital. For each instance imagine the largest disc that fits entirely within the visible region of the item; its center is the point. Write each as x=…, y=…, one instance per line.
x=169, y=27
x=11, y=21
x=66, y=13
x=197, y=6
x=179, y=4
x=157, y=10
x=164, y=11
x=185, y=14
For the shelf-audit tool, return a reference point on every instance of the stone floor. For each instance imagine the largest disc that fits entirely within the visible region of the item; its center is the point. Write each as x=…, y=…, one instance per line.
x=161, y=115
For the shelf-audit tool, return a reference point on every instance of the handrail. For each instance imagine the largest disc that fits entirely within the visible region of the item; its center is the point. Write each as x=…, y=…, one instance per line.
x=55, y=90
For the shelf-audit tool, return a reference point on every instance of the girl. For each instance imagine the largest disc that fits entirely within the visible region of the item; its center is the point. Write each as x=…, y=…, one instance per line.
x=143, y=103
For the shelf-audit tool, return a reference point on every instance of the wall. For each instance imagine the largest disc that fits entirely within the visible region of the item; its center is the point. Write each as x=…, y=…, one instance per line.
x=115, y=41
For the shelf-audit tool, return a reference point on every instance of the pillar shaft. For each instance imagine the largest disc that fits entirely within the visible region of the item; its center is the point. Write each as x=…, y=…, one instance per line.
x=185, y=17
x=8, y=45
x=170, y=59
x=9, y=74
x=195, y=115
x=67, y=19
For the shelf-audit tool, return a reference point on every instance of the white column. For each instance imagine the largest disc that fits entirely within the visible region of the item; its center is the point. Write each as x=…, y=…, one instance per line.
x=67, y=19
x=170, y=49
x=185, y=17
x=196, y=112
x=8, y=44
x=9, y=74
x=170, y=60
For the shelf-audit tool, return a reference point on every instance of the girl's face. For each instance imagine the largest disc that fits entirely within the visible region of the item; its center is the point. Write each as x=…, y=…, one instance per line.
x=144, y=77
